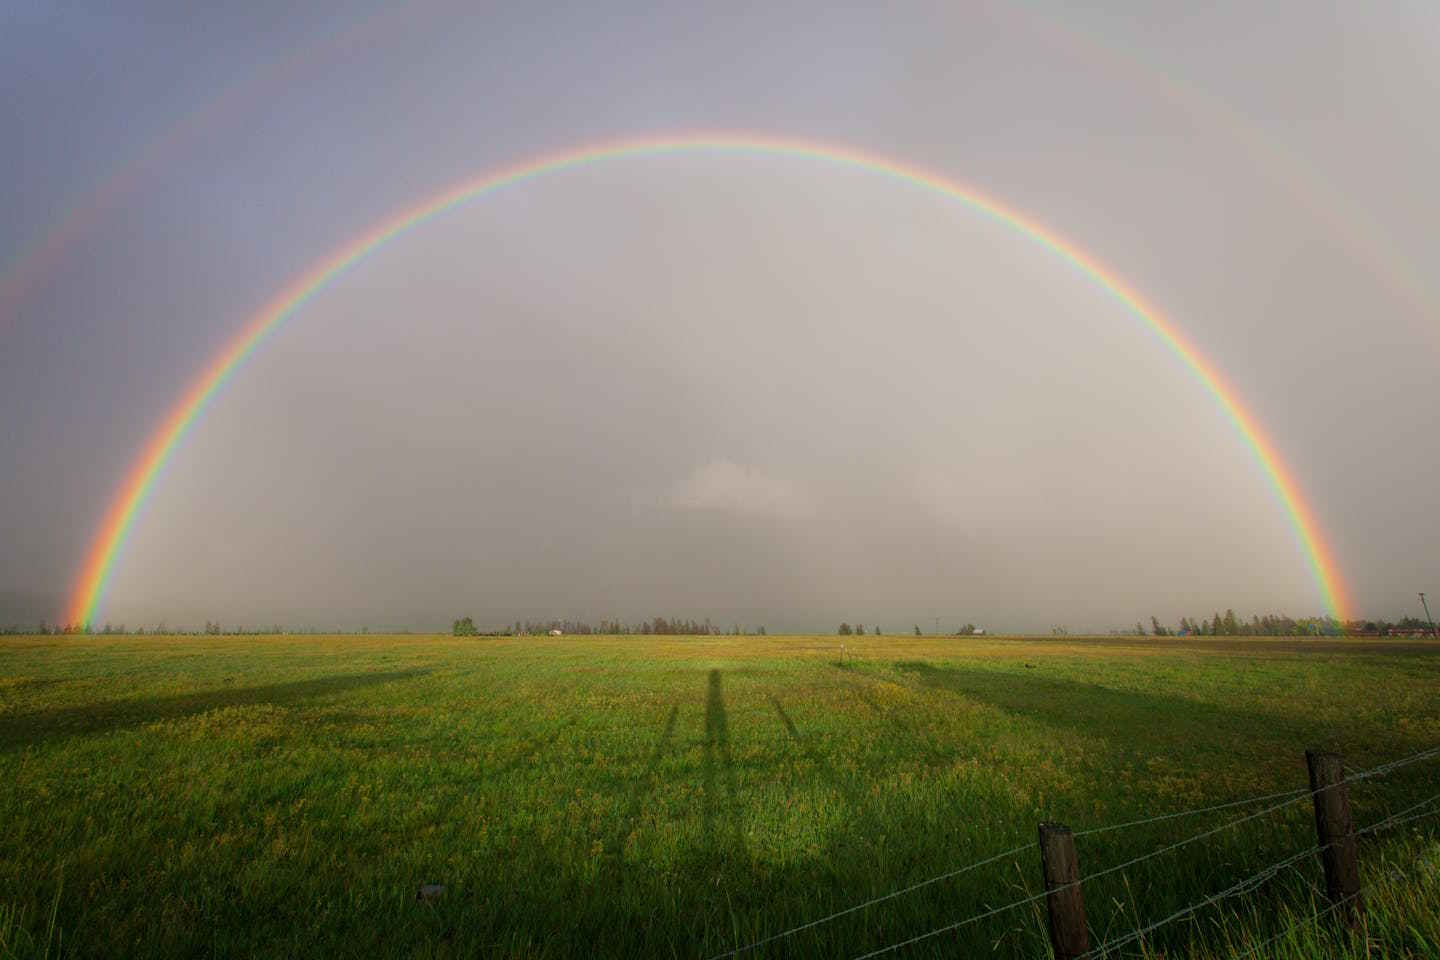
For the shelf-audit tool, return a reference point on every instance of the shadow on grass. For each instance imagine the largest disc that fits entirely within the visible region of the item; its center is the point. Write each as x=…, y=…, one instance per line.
x=534, y=750
x=717, y=763
x=925, y=745
x=615, y=849
x=1141, y=725
x=844, y=786
x=20, y=730
x=26, y=684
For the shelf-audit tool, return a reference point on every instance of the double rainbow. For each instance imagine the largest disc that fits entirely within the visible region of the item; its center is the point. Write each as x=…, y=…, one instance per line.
x=109, y=542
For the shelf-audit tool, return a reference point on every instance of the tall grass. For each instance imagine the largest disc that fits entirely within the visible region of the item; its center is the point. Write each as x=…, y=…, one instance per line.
x=18, y=941
x=681, y=796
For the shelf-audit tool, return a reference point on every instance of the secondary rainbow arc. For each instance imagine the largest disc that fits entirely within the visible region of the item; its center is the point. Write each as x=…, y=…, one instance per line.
x=109, y=541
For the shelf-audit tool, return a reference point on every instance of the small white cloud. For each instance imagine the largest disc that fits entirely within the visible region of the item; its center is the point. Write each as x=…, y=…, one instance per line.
x=724, y=486
x=971, y=497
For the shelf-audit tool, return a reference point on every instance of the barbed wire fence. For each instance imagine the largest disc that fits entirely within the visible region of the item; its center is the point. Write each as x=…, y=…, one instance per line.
x=1283, y=799
x=1252, y=882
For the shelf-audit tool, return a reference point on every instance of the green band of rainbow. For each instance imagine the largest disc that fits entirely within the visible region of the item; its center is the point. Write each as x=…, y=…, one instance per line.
x=109, y=542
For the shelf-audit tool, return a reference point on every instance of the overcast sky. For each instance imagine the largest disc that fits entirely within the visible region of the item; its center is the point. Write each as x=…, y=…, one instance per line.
x=764, y=390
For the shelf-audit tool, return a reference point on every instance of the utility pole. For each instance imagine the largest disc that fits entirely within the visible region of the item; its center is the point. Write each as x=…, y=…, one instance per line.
x=1427, y=614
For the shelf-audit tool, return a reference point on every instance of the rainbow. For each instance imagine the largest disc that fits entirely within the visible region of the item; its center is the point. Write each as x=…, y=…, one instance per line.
x=109, y=541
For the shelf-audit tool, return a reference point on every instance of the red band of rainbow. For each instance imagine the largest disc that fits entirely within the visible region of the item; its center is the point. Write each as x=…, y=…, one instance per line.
x=109, y=541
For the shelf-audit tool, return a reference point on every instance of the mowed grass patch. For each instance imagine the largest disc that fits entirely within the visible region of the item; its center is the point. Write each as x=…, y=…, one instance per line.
x=168, y=796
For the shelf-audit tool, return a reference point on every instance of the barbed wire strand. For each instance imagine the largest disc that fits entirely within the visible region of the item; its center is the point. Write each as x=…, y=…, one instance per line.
x=1314, y=917
x=1189, y=813
x=1235, y=889
x=955, y=926
x=1399, y=819
x=1391, y=766
x=881, y=899
x=1353, y=775
x=1380, y=771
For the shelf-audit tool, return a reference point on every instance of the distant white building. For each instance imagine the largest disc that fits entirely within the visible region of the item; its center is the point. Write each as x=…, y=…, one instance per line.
x=556, y=633
x=979, y=631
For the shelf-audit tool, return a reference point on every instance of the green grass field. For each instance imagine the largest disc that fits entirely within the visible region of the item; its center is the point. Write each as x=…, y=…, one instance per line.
x=651, y=796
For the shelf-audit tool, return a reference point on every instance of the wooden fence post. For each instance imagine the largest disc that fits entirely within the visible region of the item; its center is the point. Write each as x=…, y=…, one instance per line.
x=1335, y=832
x=1068, y=933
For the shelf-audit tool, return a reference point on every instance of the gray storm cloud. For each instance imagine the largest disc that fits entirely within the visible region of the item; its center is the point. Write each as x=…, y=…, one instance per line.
x=761, y=389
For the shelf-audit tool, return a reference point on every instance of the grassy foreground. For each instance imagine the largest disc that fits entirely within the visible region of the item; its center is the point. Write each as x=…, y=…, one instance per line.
x=655, y=796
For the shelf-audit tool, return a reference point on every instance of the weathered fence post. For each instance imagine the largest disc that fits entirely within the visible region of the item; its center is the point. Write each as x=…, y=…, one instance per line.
x=1068, y=934
x=1335, y=832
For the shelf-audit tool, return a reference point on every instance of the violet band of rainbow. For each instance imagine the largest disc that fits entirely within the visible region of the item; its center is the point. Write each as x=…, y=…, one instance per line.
x=108, y=544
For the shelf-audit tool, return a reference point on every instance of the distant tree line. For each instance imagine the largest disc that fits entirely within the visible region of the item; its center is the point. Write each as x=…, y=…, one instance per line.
x=1279, y=625
x=211, y=628
x=1217, y=625
x=655, y=626
x=465, y=627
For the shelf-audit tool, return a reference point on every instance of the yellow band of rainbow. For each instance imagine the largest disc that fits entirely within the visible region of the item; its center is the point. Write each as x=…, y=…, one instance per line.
x=109, y=541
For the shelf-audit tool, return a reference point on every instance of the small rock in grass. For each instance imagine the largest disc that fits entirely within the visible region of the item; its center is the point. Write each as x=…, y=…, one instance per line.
x=430, y=891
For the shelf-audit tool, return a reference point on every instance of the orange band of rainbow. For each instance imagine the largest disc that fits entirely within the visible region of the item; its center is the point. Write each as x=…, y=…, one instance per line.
x=109, y=541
